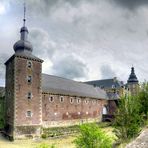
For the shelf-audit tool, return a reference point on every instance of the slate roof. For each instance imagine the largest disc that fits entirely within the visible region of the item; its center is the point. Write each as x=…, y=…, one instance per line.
x=106, y=83
x=58, y=85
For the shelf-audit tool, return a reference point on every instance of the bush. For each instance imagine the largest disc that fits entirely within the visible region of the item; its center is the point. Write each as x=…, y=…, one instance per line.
x=43, y=145
x=128, y=119
x=91, y=136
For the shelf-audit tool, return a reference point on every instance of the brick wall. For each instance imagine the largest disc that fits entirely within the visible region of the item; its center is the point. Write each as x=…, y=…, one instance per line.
x=10, y=96
x=70, y=109
x=23, y=87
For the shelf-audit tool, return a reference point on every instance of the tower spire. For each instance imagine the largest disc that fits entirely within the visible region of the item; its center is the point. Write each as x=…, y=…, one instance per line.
x=23, y=44
x=24, y=20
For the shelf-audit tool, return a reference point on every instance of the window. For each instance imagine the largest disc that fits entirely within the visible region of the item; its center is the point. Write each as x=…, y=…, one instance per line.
x=86, y=101
x=29, y=64
x=29, y=95
x=78, y=100
x=93, y=101
x=51, y=98
x=29, y=114
x=71, y=100
x=61, y=99
x=29, y=79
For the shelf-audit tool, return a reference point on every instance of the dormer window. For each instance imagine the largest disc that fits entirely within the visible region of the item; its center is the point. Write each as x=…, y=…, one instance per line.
x=29, y=64
x=29, y=79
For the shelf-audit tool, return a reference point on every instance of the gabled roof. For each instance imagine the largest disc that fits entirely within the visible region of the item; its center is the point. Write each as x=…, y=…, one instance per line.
x=106, y=83
x=62, y=86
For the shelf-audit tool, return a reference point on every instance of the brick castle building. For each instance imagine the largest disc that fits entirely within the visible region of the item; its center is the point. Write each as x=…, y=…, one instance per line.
x=34, y=100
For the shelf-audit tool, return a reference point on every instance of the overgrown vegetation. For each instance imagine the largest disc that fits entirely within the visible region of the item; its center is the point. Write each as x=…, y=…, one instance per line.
x=91, y=136
x=143, y=100
x=127, y=119
x=132, y=114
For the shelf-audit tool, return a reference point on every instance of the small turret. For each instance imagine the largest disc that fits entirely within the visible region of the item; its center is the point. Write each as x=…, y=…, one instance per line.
x=133, y=83
x=132, y=78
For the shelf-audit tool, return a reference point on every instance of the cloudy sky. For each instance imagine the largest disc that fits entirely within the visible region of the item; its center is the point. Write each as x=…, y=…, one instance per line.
x=80, y=39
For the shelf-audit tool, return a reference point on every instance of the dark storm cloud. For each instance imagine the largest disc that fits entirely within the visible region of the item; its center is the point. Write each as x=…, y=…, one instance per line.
x=70, y=67
x=107, y=72
x=131, y=4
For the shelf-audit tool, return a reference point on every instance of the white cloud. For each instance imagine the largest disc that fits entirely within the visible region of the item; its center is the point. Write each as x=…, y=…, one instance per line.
x=2, y=9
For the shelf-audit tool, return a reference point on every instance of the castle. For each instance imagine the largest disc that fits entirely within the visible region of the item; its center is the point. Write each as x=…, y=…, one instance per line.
x=34, y=100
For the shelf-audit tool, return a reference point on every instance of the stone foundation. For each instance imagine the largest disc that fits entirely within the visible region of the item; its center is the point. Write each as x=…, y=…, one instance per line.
x=22, y=132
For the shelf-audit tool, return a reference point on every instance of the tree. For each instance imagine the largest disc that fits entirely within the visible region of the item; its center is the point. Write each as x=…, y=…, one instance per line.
x=143, y=99
x=91, y=136
x=128, y=118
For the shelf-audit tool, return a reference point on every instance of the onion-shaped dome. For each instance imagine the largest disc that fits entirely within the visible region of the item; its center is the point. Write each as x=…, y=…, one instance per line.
x=23, y=44
x=132, y=78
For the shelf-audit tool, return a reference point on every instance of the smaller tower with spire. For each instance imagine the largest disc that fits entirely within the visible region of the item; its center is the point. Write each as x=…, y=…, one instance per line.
x=133, y=83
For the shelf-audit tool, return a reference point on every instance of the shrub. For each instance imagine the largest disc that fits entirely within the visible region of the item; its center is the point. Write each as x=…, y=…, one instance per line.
x=91, y=136
x=43, y=145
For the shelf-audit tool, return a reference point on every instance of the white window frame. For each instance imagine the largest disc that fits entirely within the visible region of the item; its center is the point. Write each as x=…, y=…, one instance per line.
x=72, y=100
x=86, y=101
x=50, y=98
x=61, y=99
x=78, y=100
x=29, y=79
x=93, y=102
x=29, y=64
x=29, y=96
x=30, y=112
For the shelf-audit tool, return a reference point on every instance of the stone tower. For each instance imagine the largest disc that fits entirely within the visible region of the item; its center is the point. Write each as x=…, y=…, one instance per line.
x=23, y=90
x=133, y=83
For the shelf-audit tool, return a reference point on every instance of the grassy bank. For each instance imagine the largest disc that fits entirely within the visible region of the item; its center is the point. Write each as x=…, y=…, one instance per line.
x=63, y=142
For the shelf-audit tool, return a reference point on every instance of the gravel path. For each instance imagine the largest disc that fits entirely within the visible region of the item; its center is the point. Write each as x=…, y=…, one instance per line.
x=141, y=141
